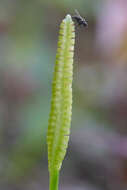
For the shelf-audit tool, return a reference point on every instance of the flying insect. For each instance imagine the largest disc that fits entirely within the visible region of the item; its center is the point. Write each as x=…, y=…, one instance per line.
x=80, y=21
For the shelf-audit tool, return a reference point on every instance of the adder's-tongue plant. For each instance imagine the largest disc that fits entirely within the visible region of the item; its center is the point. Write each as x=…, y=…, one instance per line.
x=61, y=102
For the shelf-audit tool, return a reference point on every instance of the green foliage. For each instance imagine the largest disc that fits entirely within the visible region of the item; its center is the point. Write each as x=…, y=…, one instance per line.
x=61, y=103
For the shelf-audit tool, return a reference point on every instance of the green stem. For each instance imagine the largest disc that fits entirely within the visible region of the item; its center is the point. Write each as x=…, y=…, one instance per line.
x=54, y=180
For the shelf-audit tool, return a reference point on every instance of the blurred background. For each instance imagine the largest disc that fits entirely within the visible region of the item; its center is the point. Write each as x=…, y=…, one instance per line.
x=97, y=153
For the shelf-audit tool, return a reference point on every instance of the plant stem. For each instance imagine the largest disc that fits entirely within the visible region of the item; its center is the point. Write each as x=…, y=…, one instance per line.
x=54, y=180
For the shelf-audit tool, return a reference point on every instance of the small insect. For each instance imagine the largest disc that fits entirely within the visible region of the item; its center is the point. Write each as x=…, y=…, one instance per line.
x=79, y=19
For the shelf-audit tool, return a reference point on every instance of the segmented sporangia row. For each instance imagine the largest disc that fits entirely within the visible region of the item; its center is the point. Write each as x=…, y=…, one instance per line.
x=61, y=102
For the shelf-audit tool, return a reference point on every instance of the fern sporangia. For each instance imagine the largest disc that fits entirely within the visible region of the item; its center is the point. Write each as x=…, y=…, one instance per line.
x=61, y=101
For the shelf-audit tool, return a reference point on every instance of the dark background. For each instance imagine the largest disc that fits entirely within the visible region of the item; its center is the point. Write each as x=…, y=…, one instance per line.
x=97, y=153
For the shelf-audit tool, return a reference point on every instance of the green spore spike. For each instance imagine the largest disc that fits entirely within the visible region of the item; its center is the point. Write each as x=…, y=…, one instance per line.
x=61, y=101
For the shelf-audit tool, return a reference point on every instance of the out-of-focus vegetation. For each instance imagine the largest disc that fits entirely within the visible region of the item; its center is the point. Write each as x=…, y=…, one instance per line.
x=97, y=158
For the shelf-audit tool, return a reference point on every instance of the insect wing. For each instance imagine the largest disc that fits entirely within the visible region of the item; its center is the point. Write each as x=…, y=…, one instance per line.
x=77, y=13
